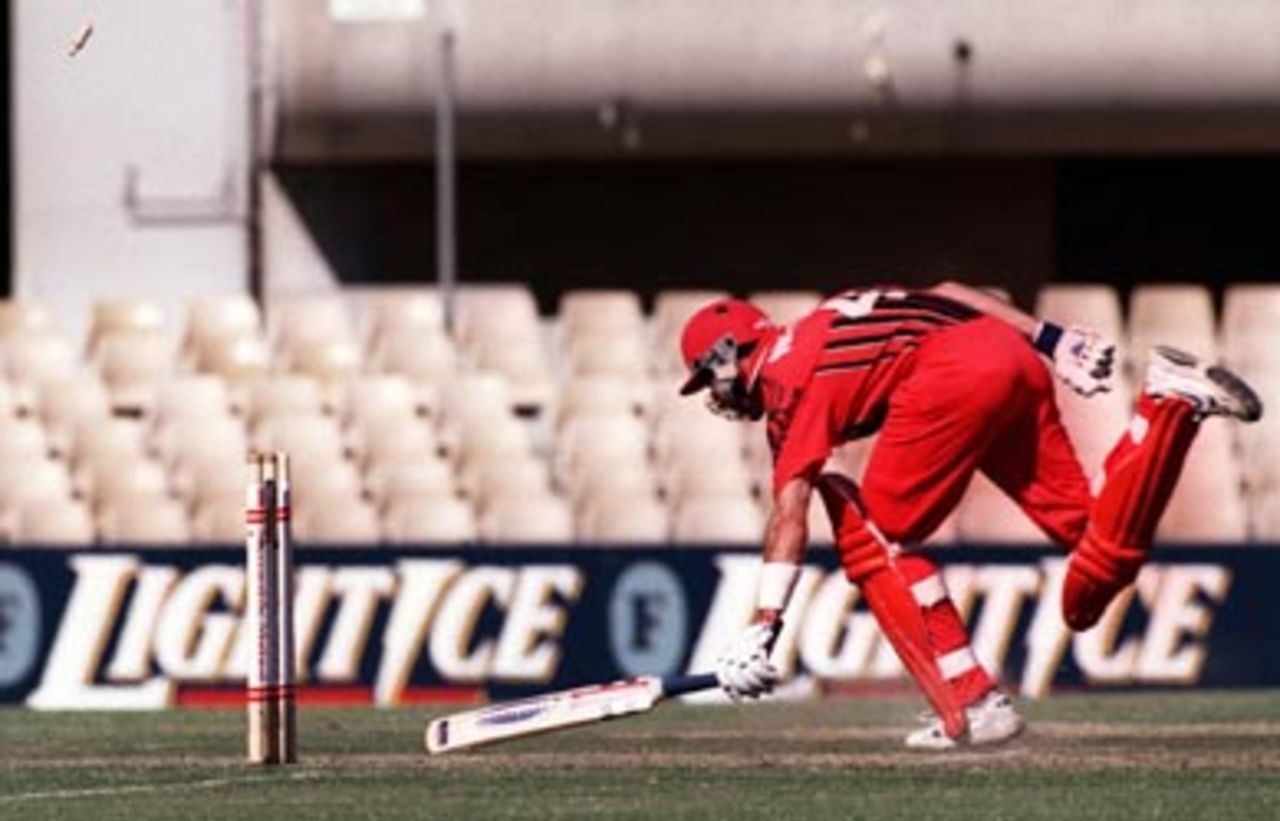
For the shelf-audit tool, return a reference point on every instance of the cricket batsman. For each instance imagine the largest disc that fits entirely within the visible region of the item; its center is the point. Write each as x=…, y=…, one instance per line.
x=953, y=380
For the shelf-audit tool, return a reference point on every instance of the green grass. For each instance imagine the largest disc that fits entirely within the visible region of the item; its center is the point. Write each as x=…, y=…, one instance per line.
x=1132, y=757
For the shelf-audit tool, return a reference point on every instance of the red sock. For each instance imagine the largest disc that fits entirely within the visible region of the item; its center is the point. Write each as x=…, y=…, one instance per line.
x=947, y=634
x=1141, y=472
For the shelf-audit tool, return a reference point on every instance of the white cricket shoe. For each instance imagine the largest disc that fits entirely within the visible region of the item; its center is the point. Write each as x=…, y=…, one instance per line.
x=1212, y=389
x=992, y=720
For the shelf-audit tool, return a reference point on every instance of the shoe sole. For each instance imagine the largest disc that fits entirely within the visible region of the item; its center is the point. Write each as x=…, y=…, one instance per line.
x=1242, y=401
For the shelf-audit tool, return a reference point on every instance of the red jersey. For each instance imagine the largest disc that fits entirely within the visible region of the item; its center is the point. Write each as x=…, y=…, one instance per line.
x=827, y=378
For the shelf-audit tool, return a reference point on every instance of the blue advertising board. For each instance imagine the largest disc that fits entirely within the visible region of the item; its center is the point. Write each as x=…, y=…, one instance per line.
x=149, y=629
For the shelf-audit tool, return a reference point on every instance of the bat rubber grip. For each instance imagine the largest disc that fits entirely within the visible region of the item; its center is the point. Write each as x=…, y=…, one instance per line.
x=679, y=685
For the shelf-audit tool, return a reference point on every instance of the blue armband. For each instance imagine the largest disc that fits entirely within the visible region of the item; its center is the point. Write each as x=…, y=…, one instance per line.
x=1046, y=338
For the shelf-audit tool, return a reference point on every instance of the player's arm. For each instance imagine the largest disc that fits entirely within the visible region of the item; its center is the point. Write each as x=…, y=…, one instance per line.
x=1081, y=358
x=744, y=669
x=786, y=537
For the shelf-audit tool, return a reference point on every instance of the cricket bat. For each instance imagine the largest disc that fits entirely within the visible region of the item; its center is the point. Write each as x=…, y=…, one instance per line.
x=557, y=711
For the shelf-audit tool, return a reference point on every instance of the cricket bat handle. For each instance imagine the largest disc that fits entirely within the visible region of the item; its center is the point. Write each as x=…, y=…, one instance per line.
x=679, y=685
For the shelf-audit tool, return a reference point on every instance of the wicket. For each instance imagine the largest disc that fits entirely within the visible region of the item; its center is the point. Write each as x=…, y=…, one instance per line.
x=269, y=611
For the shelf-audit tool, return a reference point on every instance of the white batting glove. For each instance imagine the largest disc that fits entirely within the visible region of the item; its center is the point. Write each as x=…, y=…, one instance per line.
x=1082, y=358
x=744, y=669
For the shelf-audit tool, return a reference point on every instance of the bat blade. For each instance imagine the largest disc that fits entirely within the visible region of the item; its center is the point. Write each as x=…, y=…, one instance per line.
x=554, y=711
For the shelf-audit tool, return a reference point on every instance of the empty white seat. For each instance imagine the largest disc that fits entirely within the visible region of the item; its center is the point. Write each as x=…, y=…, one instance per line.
x=24, y=481
x=403, y=311
x=1094, y=306
x=1207, y=505
x=421, y=358
x=132, y=364
x=123, y=315
x=379, y=396
x=614, y=354
x=626, y=520
x=1178, y=315
x=600, y=395
x=54, y=521
x=701, y=438
x=497, y=312
x=600, y=310
x=237, y=360
x=475, y=395
x=219, y=519
x=718, y=519
x=219, y=317
x=987, y=515
x=600, y=440
x=22, y=439
x=22, y=317
x=338, y=521
x=325, y=478
x=296, y=322
x=300, y=436
x=429, y=520
x=528, y=520
x=138, y=479
x=285, y=395
x=388, y=481
x=328, y=361
x=499, y=438
x=37, y=358
x=1250, y=323
x=700, y=478
x=525, y=370
x=191, y=396
x=144, y=521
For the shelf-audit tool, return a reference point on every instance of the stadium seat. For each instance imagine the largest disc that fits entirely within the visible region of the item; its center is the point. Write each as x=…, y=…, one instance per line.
x=499, y=438
x=608, y=480
x=417, y=312
x=295, y=323
x=429, y=520
x=285, y=395
x=63, y=403
x=239, y=361
x=211, y=319
x=123, y=315
x=394, y=439
x=328, y=361
x=699, y=477
x=55, y=521
x=301, y=436
x=525, y=370
x=22, y=439
x=410, y=478
x=601, y=395
x=421, y=358
x=132, y=365
x=1094, y=306
x=373, y=397
x=625, y=520
x=528, y=520
x=335, y=521
x=144, y=521
x=490, y=481
x=620, y=355
x=36, y=358
x=1207, y=504
x=987, y=516
x=718, y=519
x=219, y=519
x=599, y=440
x=113, y=483
x=24, y=481
x=1250, y=317
x=474, y=395
x=1095, y=423
x=1178, y=315
x=20, y=317
x=599, y=311
x=191, y=396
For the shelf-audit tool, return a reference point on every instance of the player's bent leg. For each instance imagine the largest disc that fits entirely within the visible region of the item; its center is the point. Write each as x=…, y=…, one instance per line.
x=1140, y=475
x=992, y=715
x=867, y=563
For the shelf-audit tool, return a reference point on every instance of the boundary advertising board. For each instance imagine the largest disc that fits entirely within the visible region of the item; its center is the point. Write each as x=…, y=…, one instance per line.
x=149, y=629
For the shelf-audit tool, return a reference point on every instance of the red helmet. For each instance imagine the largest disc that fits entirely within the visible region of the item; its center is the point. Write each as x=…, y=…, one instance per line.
x=717, y=336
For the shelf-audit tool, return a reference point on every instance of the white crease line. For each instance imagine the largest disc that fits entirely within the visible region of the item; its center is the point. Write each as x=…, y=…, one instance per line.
x=133, y=789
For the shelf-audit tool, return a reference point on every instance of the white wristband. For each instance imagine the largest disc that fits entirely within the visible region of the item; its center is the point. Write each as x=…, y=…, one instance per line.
x=777, y=580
